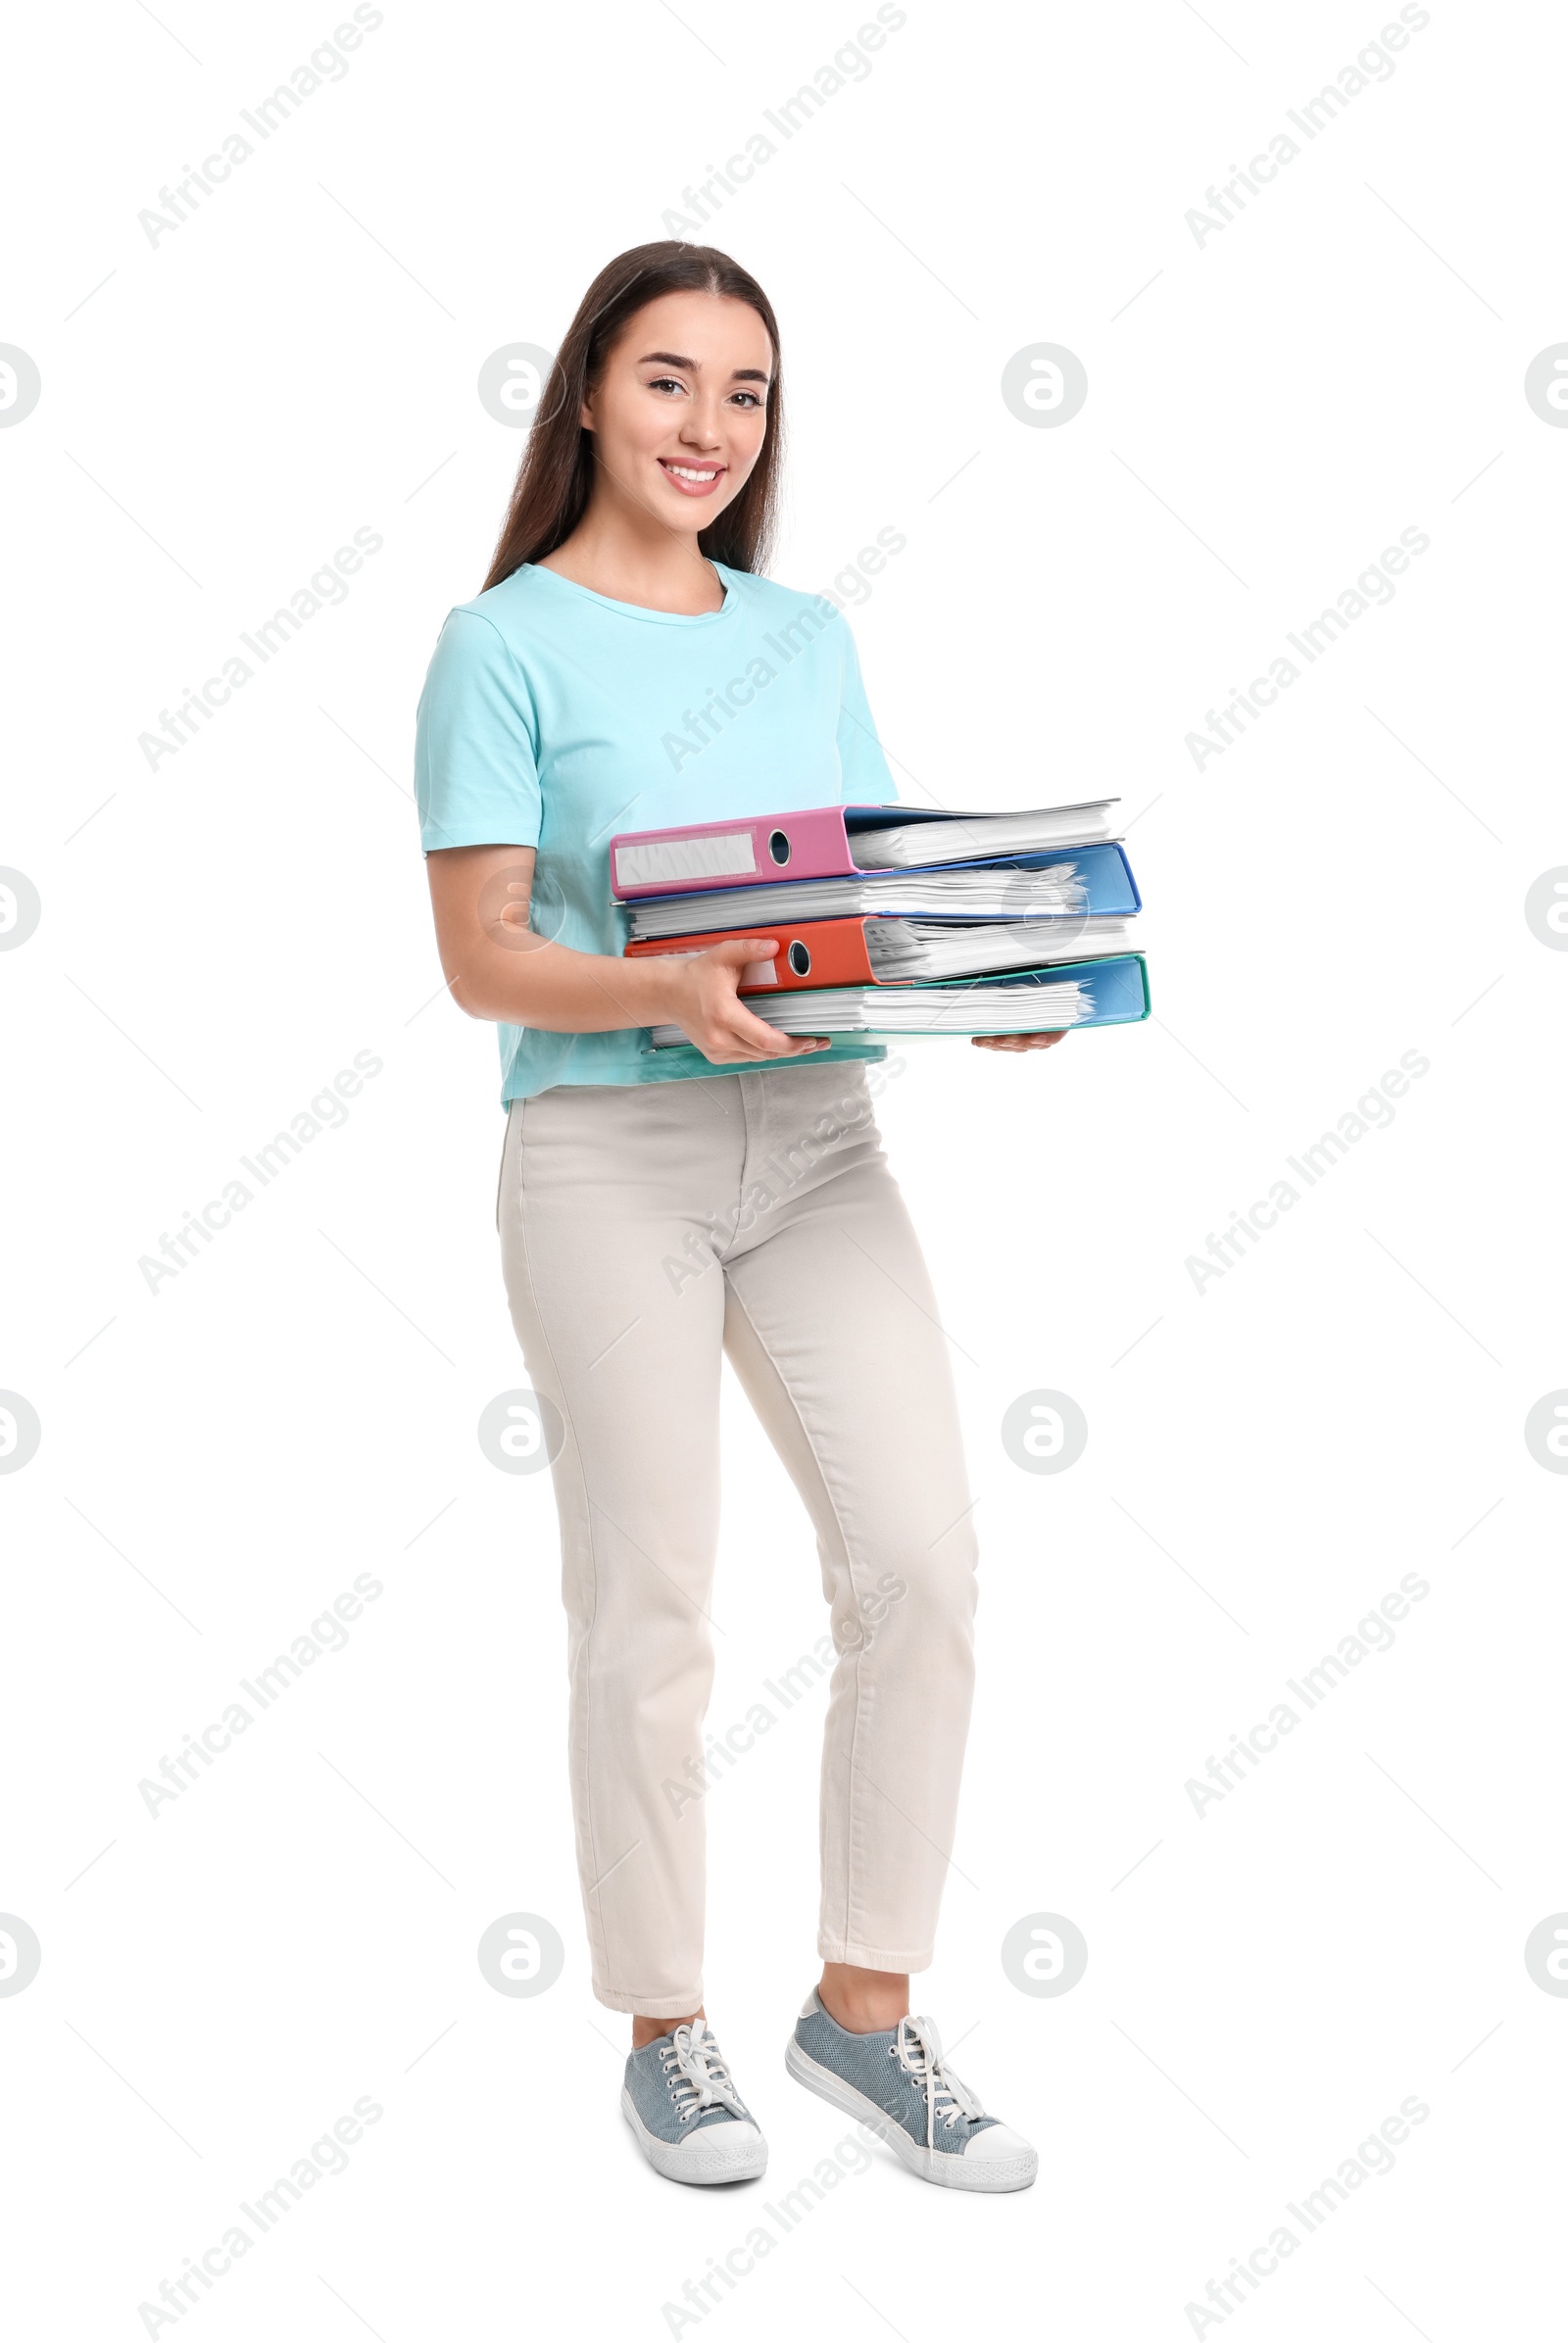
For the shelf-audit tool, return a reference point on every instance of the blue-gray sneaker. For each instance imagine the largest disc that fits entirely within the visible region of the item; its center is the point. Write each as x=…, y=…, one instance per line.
x=899, y=2087
x=685, y=2113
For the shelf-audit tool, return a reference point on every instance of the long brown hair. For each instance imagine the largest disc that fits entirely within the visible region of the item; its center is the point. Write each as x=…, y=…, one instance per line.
x=554, y=478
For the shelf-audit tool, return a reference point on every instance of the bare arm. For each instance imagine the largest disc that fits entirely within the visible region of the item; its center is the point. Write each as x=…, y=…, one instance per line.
x=498, y=971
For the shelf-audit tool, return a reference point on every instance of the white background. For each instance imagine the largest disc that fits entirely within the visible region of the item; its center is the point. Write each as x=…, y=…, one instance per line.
x=1267, y=1459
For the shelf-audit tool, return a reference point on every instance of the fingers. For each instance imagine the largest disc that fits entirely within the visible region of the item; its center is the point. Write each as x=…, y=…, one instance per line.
x=777, y=1044
x=743, y=1026
x=1017, y=1040
x=752, y=1057
x=752, y=1039
x=736, y=951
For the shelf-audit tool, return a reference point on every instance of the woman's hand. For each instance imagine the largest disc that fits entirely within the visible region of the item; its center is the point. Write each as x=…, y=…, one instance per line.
x=1017, y=1040
x=704, y=1003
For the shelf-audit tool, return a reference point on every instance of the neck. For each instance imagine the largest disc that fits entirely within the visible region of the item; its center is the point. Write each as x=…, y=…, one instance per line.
x=621, y=552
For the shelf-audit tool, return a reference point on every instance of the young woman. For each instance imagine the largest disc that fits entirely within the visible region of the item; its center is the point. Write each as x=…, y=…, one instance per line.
x=627, y=667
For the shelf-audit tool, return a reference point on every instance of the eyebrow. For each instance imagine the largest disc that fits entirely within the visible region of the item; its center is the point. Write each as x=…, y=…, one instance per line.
x=694, y=366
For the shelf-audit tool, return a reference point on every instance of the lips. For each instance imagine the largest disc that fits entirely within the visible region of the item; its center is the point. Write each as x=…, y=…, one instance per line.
x=692, y=479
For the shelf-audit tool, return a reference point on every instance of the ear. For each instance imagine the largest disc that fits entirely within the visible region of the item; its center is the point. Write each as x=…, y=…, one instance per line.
x=585, y=416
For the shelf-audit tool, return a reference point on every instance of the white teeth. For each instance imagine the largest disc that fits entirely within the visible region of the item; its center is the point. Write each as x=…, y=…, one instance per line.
x=683, y=472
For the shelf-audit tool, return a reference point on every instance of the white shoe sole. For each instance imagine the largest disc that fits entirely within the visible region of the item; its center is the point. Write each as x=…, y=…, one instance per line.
x=704, y=2168
x=944, y=2171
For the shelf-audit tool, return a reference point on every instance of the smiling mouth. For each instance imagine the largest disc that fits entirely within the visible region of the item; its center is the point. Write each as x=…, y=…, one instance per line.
x=693, y=480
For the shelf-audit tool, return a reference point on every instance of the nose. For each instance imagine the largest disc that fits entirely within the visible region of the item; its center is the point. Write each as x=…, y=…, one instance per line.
x=700, y=426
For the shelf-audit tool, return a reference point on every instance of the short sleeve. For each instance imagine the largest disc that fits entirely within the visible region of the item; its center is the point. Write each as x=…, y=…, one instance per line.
x=476, y=741
x=864, y=767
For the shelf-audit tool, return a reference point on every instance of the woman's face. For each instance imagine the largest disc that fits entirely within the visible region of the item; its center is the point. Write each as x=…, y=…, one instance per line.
x=681, y=413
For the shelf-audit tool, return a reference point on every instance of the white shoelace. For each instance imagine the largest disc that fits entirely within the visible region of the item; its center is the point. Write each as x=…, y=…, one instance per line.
x=698, y=2076
x=917, y=2046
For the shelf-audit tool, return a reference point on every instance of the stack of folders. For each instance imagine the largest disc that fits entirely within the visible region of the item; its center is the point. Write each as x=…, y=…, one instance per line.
x=900, y=920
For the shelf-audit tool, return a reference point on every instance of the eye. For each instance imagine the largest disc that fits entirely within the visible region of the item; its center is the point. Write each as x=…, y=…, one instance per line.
x=665, y=382
x=748, y=399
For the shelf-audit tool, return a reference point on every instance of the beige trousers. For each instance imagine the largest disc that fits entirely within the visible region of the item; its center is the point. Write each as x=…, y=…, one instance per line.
x=646, y=1232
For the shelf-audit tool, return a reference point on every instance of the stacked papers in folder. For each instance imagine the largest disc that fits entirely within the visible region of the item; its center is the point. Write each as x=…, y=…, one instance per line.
x=899, y=920
x=1096, y=879
x=900, y=952
x=834, y=841
x=1086, y=992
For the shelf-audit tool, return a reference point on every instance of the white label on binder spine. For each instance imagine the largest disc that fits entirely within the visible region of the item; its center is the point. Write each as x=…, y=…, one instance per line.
x=667, y=862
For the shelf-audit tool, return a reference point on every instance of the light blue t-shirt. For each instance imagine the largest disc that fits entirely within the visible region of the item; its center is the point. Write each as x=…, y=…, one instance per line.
x=554, y=717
